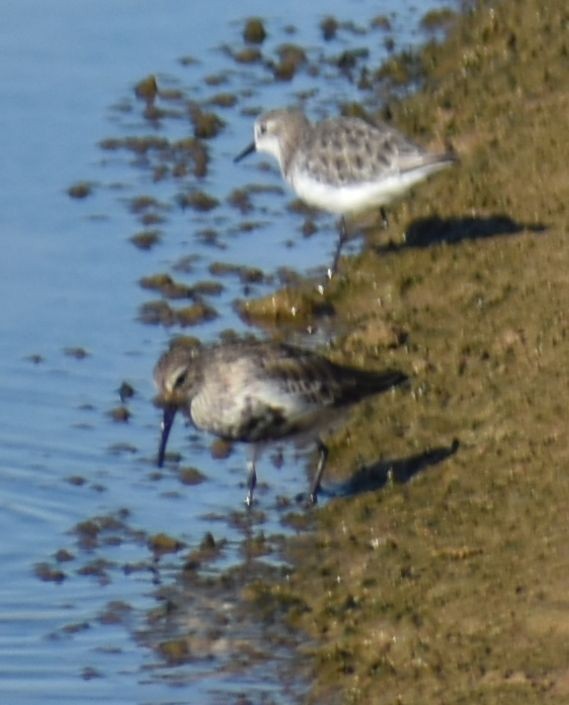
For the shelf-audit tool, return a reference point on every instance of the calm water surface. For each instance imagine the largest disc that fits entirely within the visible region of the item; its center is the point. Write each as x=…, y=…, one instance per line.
x=73, y=480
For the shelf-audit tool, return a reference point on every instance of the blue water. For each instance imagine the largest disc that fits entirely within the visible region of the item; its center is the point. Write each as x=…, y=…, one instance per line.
x=69, y=279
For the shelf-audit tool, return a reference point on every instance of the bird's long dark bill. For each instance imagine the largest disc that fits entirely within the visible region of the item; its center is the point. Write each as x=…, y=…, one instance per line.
x=167, y=421
x=245, y=153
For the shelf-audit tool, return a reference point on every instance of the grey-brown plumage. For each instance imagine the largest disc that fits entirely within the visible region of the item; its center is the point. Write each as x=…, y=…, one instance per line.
x=258, y=392
x=343, y=165
x=361, y=165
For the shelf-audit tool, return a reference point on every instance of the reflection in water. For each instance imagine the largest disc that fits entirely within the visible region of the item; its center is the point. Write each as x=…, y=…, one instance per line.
x=106, y=234
x=202, y=628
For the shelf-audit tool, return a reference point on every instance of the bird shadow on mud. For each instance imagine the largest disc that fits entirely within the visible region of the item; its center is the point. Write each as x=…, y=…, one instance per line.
x=426, y=232
x=377, y=475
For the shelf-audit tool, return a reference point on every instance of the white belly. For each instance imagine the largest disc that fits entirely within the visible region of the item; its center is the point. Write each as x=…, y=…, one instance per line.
x=357, y=197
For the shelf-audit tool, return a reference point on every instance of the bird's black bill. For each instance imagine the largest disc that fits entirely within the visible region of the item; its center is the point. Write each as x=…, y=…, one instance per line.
x=167, y=421
x=245, y=153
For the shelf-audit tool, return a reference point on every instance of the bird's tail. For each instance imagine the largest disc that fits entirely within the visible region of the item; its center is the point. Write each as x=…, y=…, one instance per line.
x=427, y=163
x=365, y=383
x=383, y=381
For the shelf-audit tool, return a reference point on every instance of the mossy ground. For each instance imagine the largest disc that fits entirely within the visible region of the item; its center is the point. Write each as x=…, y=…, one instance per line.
x=453, y=587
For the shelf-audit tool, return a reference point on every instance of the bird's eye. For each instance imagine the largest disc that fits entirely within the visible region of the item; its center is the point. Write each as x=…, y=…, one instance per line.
x=180, y=379
x=263, y=128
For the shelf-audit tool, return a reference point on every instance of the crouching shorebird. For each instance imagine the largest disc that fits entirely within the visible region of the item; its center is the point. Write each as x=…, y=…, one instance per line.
x=343, y=165
x=261, y=392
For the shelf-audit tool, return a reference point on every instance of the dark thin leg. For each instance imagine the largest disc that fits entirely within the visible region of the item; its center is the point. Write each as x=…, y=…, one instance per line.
x=251, y=481
x=342, y=237
x=384, y=218
x=313, y=496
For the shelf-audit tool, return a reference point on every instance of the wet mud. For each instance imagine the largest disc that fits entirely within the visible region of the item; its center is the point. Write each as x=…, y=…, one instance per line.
x=437, y=571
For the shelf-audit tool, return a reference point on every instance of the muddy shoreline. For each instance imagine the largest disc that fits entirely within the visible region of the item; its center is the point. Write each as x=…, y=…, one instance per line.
x=442, y=576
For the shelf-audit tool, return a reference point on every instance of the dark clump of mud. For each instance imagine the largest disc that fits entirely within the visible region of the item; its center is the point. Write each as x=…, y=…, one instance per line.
x=198, y=200
x=254, y=31
x=161, y=313
x=441, y=573
x=80, y=190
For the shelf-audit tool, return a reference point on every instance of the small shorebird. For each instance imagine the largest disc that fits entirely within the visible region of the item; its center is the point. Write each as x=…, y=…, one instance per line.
x=343, y=165
x=260, y=392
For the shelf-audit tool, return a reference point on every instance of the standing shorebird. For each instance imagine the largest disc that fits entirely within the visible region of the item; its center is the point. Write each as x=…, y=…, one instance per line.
x=260, y=392
x=343, y=165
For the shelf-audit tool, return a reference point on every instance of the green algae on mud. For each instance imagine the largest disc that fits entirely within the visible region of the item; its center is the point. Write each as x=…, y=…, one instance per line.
x=452, y=588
